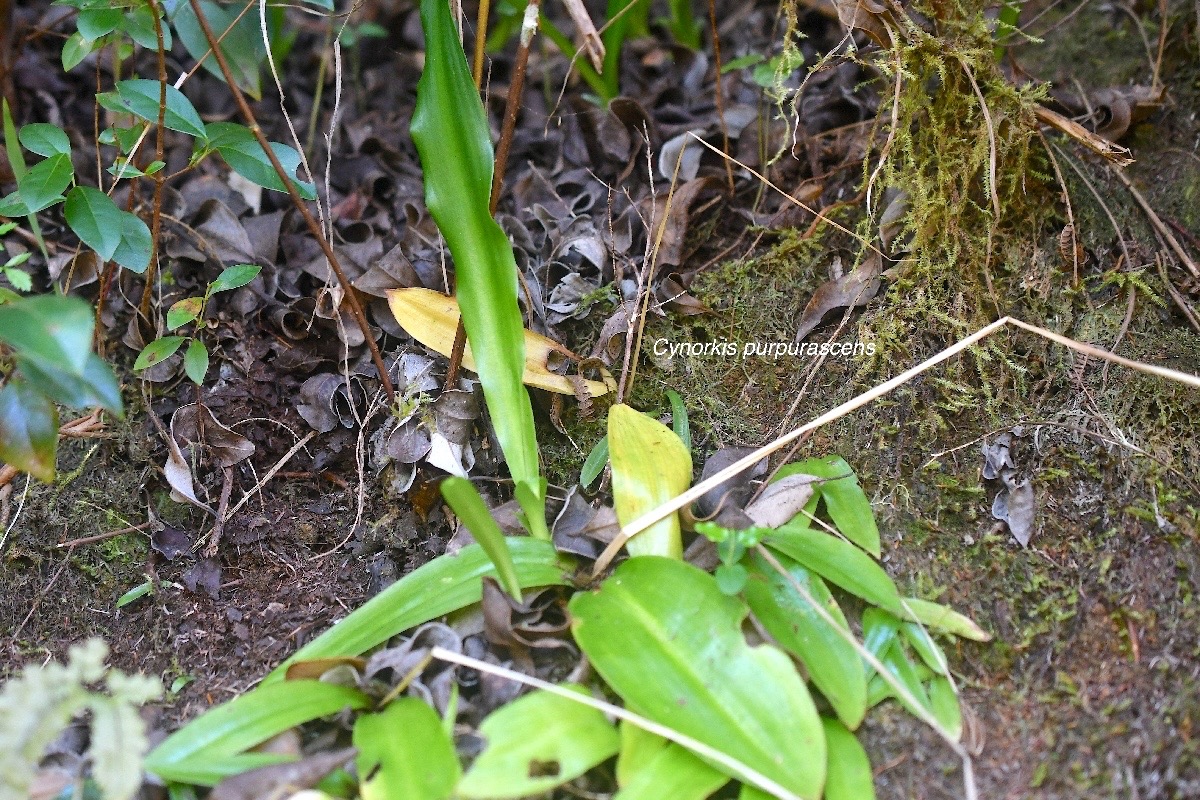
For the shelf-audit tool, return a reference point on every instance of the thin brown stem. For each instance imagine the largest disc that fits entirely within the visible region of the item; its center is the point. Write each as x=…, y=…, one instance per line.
x=159, y=176
x=716, y=36
x=351, y=298
x=512, y=106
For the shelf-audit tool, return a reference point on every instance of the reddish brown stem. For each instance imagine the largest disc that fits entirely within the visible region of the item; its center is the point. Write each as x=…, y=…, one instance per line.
x=159, y=176
x=356, y=309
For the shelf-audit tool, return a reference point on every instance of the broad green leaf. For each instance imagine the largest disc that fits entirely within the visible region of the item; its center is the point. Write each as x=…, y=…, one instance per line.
x=195, y=361
x=133, y=253
x=880, y=630
x=123, y=169
x=16, y=162
x=234, y=277
x=446, y=584
x=833, y=664
x=139, y=24
x=664, y=638
x=247, y=720
x=93, y=385
x=403, y=752
x=28, y=430
x=943, y=618
x=537, y=743
x=943, y=702
x=45, y=139
x=464, y=499
x=649, y=466
x=204, y=771
x=595, y=463
x=245, y=156
x=240, y=41
x=11, y=205
x=49, y=329
x=638, y=749
x=96, y=22
x=158, y=351
x=95, y=219
x=925, y=647
x=75, y=50
x=44, y=183
x=184, y=311
x=141, y=96
x=672, y=772
x=897, y=662
x=451, y=133
x=19, y=278
x=839, y=562
x=849, y=776
x=845, y=500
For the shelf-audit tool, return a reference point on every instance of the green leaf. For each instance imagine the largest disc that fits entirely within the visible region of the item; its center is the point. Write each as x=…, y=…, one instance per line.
x=234, y=277
x=451, y=133
x=925, y=647
x=93, y=385
x=96, y=22
x=184, y=311
x=28, y=430
x=943, y=618
x=95, y=219
x=195, y=361
x=11, y=205
x=245, y=156
x=943, y=702
x=833, y=664
x=897, y=662
x=141, y=95
x=158, y=351
x=195, y=753
x=241, y=44
x=136, y=593
x=75, y=50
x=668, y=771
x=403, y=752
x=679, y=419
x=845, y=500
x=446, y=584
x=45, y=139
x=133, y=253
x=837, y=561
x=18, y=278
x=139, y=24
x=49, y=329
x=464, y=499
x=537, y=743
x=649, y=466
x=595, y=462
x=664, y=638
x=44, y=184
x=849, y=776
x=123, y=169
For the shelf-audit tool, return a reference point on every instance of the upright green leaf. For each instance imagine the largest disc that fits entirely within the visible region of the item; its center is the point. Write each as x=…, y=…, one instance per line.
x=537, y=743
x=850, y=776
x=650, y=466
x=672, y=772
x=141, y=96
x=133, y=251
x=16, y=162
x=28, y=430
x=446, y=584
x=833, y=664
x=664, y=638
x=95, y=219
x=451, y=133
x=845, y=500
x=195, y=361
x=199, y=752
x=679, y=419
x=403, y=752
x=464, y=499
x=594, y=464
x=43, y=185
x=837, y=561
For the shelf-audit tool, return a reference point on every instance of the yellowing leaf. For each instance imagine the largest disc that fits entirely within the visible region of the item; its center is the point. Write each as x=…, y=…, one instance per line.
x=650, y=466
x=432, y=319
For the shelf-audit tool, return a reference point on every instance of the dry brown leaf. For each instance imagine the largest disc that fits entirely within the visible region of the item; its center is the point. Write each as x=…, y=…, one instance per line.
x=855, y=288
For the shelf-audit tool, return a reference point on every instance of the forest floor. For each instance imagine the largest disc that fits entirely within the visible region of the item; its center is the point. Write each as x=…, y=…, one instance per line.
x=1091, y=684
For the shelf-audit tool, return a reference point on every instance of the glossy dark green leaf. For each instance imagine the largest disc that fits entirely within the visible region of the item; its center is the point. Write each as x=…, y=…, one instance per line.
x=403, y=752
x=834, y=666
x=158, y=351
x=49, y=329
x=141, y=96
x=446, y=584
x=450, y=131
x=839, y=562
x=845, y=500
x=464, y=499
x=43, y=185
x=240, y=40
x=849, y=776
x=537, y=743
x=664, y=638
x=139, y=25
x=195, y=753
x=95, y=219
x=45, y=139
x=594, y=464
x=245, y=156
x=234, y=277
x=133, y=252
x=650, y=466
x=195, y=361
x=75, y=50
x=28, y=430
x=93, y=385
x=96, y=22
